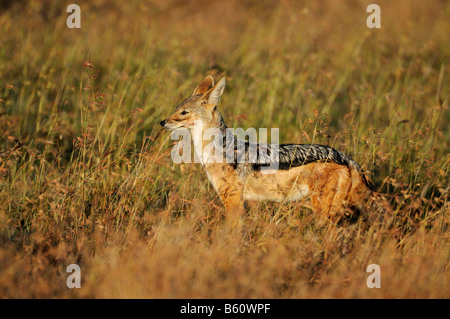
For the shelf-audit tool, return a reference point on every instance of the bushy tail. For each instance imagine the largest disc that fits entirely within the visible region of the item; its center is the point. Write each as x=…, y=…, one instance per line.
x=370, y=205
x=360, y=189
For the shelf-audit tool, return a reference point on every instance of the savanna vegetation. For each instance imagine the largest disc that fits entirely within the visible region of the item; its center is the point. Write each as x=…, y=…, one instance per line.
x=86, y=179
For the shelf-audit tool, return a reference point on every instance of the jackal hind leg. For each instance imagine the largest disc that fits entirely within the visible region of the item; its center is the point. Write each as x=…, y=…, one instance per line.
x=330, y=192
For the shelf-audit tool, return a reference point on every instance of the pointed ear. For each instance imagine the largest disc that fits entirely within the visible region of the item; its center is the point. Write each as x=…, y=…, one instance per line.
x=204, y=85
x=215, y=93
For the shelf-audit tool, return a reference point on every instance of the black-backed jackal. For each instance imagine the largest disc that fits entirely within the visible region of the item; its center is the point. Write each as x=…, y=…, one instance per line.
x=334, y=183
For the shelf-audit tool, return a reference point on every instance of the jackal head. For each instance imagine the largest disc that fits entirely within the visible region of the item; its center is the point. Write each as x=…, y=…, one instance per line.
x=201, y=106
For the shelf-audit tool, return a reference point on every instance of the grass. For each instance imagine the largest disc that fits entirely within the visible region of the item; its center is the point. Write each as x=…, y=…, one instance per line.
x=83, y=179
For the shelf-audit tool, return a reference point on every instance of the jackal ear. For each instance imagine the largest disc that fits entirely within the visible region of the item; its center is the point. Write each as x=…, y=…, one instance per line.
x=204, y=85
x=214, y=94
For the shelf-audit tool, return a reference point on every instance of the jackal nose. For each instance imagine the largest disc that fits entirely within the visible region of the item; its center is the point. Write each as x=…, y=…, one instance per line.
x=163, y=123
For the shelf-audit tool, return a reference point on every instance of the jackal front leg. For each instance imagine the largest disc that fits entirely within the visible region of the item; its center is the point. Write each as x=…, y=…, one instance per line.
x=232, y=198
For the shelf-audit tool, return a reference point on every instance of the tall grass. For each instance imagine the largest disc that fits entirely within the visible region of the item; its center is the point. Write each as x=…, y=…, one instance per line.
x=83, y=178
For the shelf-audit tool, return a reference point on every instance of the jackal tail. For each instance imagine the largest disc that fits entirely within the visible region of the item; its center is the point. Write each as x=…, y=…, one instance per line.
x=374, y=207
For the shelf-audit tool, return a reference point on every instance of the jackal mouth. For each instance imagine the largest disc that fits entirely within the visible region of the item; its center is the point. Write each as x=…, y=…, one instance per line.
x=171, y=126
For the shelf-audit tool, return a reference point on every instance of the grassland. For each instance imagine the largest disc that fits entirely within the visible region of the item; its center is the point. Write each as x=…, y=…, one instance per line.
x=83, y=179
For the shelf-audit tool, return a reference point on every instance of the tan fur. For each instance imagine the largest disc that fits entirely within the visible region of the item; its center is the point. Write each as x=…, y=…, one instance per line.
x=330, y=187
x=229, y=188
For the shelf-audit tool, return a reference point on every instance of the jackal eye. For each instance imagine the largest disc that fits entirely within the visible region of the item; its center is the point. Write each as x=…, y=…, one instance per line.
x=184, y=112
